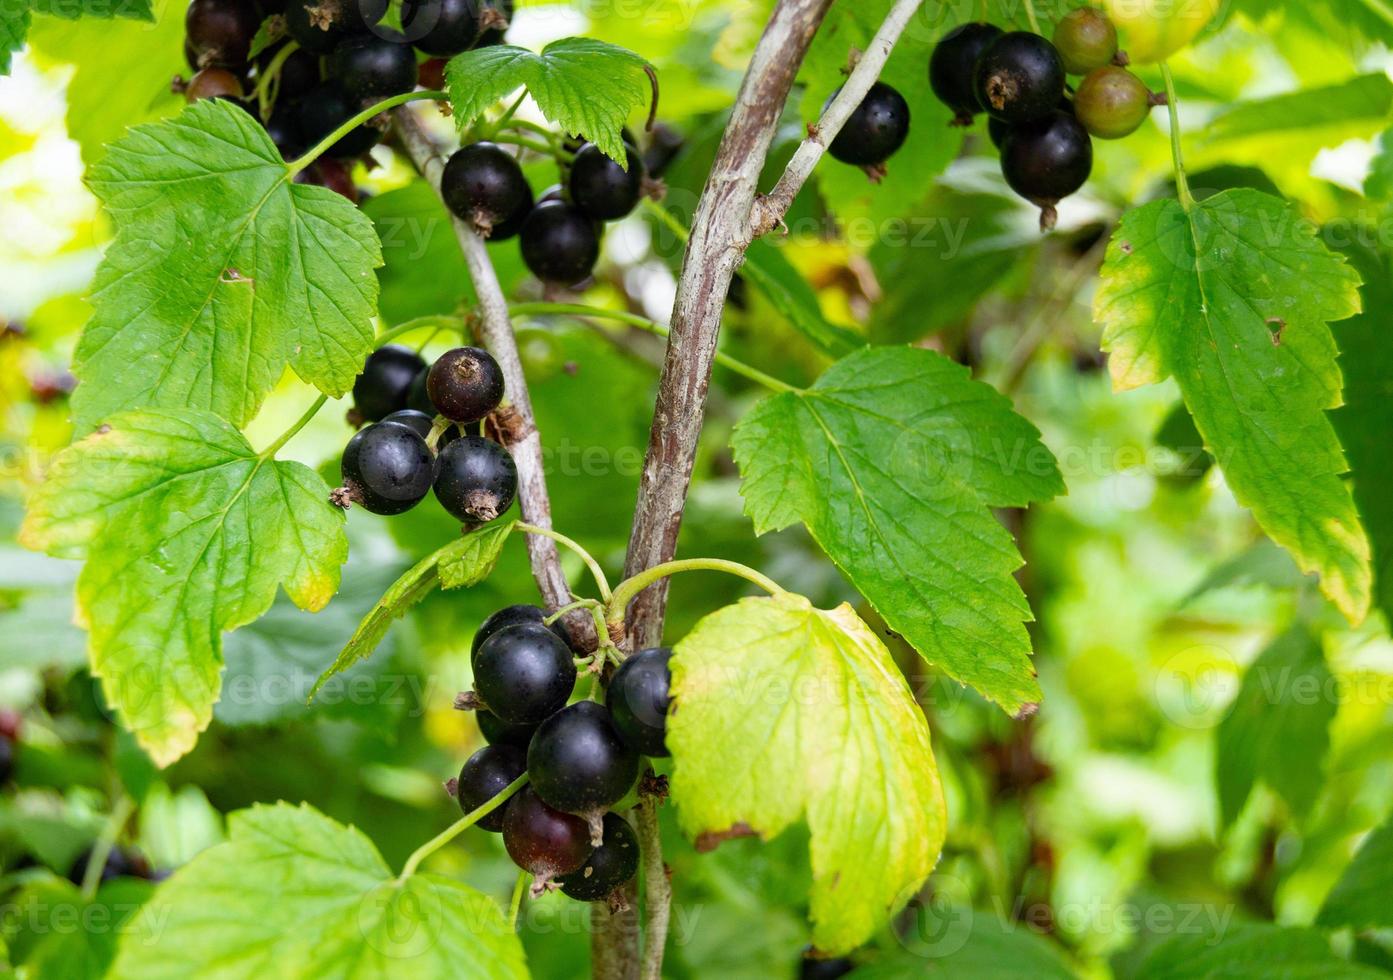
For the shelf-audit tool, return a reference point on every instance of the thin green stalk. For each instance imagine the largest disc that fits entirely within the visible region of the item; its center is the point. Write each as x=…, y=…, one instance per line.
x=322, y=147
x=272, y=76
x=668, y=219
x=101, y=850
x=458, y=827
x=439, y=322
x=497, y=126
x=649, y=326
x=1182, y=182
x=537, y=146
x=516, y=902
x=626, y=590
x=570, y=607
x=1030, y=16
x=290, y=433
x=585, y=556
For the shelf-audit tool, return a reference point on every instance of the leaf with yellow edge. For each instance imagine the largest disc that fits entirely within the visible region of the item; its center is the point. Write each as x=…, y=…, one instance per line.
x=187, y=532
x=783, y=712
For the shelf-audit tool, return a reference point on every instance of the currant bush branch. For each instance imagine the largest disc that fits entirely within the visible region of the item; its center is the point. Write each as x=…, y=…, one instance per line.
x=769, y=209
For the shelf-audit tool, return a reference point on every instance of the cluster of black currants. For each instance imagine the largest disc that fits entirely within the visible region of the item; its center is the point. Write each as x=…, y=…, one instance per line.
x=424, y=433
x=559, y=232
x=580, y=759
x=329, y=60
x=1042, y=127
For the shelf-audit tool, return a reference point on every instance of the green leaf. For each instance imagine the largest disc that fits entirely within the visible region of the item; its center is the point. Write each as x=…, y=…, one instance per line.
x=965, y=942
x=1365, y=100
x=768, y=691
x=586, y=87
x=67, y=935
x=176, y=826
x=461, y=563
x=14, y=25
x=789, y=293
x=1359, y=899
x=1250, y=951
x=187, y=533
x=1278, y=728
x=1379, y=184
x=1366, y=419
x=894, y=460
x=293, y=894
x=222, y=272
x=1233, y=299
x=16, y=16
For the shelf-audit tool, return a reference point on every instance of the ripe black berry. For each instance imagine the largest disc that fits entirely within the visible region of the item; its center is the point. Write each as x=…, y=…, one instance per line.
x=7, y=758
x=373, y=66
x=441, y=27
x=544, y=841
x=387, y=375
x=560, y=243
x=1047, y=162
x=609, y=866
x=496, y=731
x=387, y=468
x=416, y=397
x=1086, y=40
x=477, y=479
x=465, y=384
x=1112, y=103
x=419, y=421
x=603, y=189
x=524, y=674
x=824, y=969
x=664, y=144
x=220, y=32
x=319, y=25
x=875, y=129
x=325, y=109
x=578, y=763
x=512, y=616
x=638, y=700
x=213, y=83
x=484, y=775
x=1020, y=77
x=284, y=129
x=953, y=65
x=484, y=185
x=299, y=72
x=494, y=12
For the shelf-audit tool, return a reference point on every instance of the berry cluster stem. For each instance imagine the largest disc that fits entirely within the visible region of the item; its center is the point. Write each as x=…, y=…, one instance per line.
x=1182, y=181
x=294, y=429
x=101, y=850
x=322, y=147
x=626, y=590
x=595, y=570
x=458, y=827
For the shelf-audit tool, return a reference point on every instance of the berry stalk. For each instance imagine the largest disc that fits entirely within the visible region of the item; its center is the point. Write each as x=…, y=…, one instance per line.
x=458, y=827
x=353, y=122
x=627, y=590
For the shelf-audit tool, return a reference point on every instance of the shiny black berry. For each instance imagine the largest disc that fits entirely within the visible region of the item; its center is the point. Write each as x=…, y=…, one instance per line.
x=560, y=243
x=578, y=763
x=664, y=144
x=612, y=864
x=1086, y=40
x=496, y=731
x=544, y=841
x=483, y=184
x=465, y=384
x=374, y=66
x=416, y=397
x=953, y=65
x=319, y=25
x=512, y=616
x=299, y=72
x=1047, y=162
x=284, y=129
x=638, y=700
x=387, y=375
x=484, y=775
x=1019, y=78
x=1112, y=103
x=220, y=32
x=441, y=27
x=874, y=130
x=412, y=419
x=387, y=468
x=601, y=187
x=325, y=109
x=524, y=674
x=476, y=479
x=812, y=968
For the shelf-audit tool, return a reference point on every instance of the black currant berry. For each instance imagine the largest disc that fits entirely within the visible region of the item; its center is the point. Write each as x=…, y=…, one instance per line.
x=416, y=397
x=7, y=758
x=496, y=731
x=483, y=184
x=1047, y=162
x=373, y=66
x=552, y=193
x=578, y=763
x=319, y=25
x=465, y=384
x=512, y=616
x=953, y=65
x=284, y=129
x=874, y=130
x=484, y=775
x=612, y=864
x=560, y=243
x=419, y=421
x=494, y=17
x=387, y=468
x=998, y=129
x=299, y=71
x=544, y=841
x=1112, y=103
x=1086, y=40
x=638, y=700
x=220, y=32
x=325, y=109
x=120, y=863
x=477, y=479
x=441, y=27
x=213, y=83
x=387, y=375
x=1020, y=77
x=664, y=144
x=601, y=187
x=813, y=968
x=524, y=674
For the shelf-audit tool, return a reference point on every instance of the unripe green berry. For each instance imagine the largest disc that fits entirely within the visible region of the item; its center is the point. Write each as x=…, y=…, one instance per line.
x=1112, y=103
x=1086, y=40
